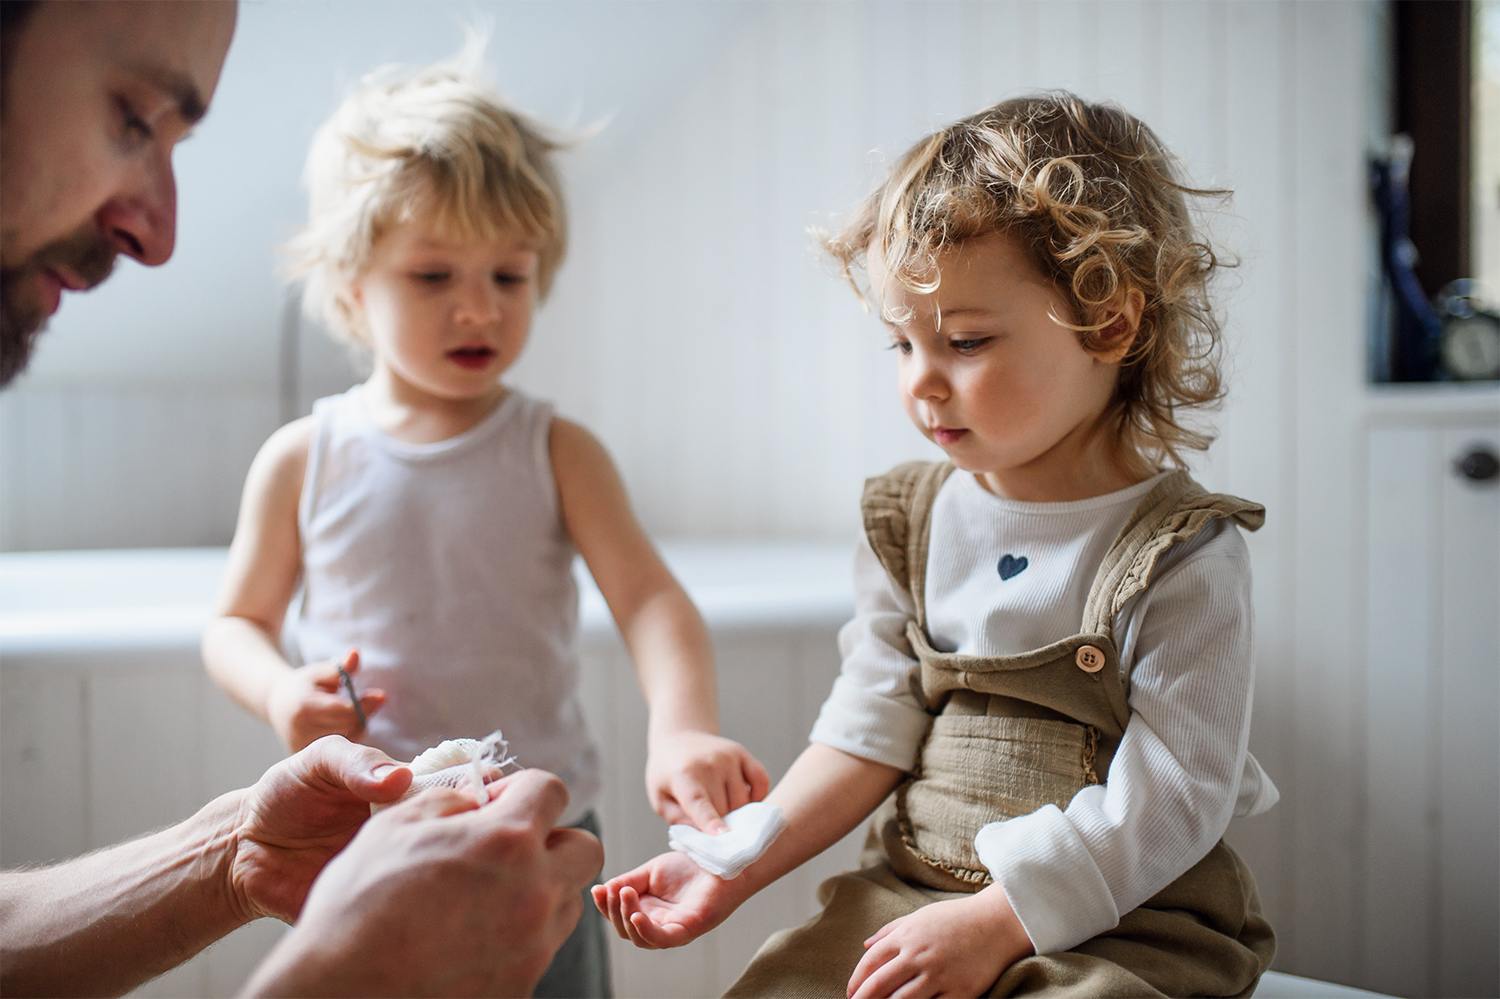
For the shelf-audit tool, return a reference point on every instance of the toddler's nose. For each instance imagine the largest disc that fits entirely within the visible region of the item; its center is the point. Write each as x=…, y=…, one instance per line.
x=480, y=303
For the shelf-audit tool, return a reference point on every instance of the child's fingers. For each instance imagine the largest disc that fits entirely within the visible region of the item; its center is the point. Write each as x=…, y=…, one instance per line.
x=879, y=934
x=630, y=908
x=879, y=973
x=702, y=811
x=606, y=898
x=372, y=701
x=657, y=937
x=757, y=777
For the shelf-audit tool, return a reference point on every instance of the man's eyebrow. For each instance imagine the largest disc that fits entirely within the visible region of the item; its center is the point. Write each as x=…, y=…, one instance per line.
x=179, y=86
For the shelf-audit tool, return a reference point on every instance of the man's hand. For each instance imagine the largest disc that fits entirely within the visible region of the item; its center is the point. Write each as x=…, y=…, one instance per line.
x=299, y=814
x=954, y=948
x=698, y=777
x=308, y=703
x=437, y=896
x=667, y=901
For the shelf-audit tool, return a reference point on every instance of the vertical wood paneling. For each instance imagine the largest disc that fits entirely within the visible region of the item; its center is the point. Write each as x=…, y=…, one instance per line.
x=1402, y=692
x=145, y=719
x=43, y=745
x=1467, y=956
x=1331, y=225
x=112, y=469
x=1258, y=421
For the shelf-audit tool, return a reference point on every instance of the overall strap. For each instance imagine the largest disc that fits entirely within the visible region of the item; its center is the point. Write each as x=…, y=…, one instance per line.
x=1175, y=510
x=897, y=509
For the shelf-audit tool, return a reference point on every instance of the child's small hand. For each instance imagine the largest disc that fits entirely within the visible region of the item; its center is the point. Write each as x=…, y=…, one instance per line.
x=696, y=778
x=308, y=703
x=666, y=902
x=953, y=948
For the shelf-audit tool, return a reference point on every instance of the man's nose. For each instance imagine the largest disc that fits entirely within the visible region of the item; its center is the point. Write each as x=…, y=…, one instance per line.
x=143, y=223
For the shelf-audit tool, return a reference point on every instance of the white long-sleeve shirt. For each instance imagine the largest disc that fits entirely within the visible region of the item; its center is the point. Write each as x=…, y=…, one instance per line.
x=1182, y=769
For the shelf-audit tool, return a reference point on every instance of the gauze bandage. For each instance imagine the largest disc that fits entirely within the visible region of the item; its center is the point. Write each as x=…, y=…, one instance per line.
x=752, y=829
x=459, y=764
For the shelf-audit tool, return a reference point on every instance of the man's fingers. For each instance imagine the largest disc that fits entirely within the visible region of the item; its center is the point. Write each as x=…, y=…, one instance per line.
x=363, y=770
x=577, y=855
x=533, y=795
x=434, y=803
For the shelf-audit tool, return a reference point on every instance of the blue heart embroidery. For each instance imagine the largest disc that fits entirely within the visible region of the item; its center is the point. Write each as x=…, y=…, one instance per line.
x=1012, y=566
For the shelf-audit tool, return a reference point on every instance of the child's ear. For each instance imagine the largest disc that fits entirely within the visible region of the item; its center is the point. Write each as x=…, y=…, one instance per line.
x=1124, y=315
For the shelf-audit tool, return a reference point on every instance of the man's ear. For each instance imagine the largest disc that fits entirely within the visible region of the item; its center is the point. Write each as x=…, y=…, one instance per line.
x=1124, y=322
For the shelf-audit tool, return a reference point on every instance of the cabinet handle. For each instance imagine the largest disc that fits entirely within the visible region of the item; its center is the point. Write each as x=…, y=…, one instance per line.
x=1479, y=465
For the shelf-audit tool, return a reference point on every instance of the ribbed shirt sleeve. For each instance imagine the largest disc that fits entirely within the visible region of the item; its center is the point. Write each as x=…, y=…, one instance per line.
x=872, y=711
x=1177, y=776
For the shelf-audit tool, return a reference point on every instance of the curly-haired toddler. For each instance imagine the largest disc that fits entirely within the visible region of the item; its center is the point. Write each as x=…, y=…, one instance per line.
x=1051, y=662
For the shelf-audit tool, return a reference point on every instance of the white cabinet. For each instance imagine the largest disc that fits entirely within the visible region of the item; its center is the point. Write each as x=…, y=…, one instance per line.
x=1432, y=697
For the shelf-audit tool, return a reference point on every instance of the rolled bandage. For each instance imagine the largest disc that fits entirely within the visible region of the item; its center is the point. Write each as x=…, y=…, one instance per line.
x=752, y=830
x=456, y=763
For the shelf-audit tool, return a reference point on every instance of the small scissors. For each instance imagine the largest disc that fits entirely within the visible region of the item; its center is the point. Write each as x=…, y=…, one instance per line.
x=348, y=682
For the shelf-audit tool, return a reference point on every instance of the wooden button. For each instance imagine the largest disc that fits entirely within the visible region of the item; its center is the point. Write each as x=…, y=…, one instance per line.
x=1089, y=659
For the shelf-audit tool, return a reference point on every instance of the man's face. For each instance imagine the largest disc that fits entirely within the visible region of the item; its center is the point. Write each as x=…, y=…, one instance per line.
x=96, y=95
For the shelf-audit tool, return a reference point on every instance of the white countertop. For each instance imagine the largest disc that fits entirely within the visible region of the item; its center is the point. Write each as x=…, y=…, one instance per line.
x=64, y=602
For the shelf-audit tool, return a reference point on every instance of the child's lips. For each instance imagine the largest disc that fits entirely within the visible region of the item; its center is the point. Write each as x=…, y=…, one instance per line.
x=472, y=358
x=947, y=435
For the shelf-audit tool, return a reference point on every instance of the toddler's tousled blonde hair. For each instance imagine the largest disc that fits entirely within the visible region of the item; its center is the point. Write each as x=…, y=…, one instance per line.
x=1099, y=205
x=437, y=141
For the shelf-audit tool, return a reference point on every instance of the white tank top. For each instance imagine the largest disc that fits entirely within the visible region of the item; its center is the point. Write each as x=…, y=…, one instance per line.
x=448, y=566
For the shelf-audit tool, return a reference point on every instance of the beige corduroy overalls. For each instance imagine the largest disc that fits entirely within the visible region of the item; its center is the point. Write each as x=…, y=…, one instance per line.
x=1009, y=735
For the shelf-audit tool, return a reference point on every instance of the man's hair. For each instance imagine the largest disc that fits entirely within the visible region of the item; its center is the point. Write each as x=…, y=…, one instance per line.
x=1099, y=205
x=437, y=143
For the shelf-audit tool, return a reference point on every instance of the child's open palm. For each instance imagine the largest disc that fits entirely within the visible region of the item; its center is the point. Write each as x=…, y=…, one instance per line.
x=958, y=947
x=666, y=902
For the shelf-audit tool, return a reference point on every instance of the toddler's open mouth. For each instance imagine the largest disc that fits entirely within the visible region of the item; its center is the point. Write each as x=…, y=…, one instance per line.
x=472, y=358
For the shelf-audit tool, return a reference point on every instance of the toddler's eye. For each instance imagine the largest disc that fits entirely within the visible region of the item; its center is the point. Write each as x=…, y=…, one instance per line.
x=509, y=278
x=968, y=346
x=904, y=346
x=133, y=125
x=431, y=277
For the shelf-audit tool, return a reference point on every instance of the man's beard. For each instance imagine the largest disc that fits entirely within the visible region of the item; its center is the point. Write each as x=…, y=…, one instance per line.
x=85, y=253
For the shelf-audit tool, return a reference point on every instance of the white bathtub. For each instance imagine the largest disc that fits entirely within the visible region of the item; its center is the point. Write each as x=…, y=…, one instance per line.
x=109, y=726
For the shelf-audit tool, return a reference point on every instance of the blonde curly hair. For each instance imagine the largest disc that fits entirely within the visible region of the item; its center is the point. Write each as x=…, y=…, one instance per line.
x=436, y=142
x=1100, y=206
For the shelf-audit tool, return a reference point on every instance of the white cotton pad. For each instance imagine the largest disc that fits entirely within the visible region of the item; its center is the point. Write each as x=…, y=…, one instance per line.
x=752, y=829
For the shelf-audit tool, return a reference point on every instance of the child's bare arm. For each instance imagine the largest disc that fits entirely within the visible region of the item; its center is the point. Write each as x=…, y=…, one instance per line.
x=670, y=901
x=241, y=647
x=692, y=773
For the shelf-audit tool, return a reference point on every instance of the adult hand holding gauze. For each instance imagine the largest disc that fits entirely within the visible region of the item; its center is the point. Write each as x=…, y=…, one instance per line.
x=460, y=763
x=752, y=829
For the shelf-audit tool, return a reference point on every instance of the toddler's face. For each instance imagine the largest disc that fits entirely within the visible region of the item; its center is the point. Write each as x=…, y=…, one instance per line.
x=446, y=316
x=1007, y=392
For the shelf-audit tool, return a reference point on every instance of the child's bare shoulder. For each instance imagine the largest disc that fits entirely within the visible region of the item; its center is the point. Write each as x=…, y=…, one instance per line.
x=571, y=444
x=282, y=460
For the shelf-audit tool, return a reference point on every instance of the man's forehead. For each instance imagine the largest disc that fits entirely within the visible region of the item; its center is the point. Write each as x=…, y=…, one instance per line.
x=176, y=46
